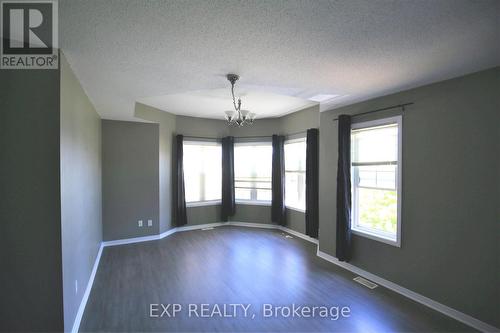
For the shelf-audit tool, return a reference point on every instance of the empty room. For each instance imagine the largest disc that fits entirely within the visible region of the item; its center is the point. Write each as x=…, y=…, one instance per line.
x=250, y=166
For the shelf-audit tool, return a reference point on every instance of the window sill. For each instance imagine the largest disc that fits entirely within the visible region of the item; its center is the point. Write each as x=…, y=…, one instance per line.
x=379, y=238
x=300, y=210
x=253, y=203
x=203, y=203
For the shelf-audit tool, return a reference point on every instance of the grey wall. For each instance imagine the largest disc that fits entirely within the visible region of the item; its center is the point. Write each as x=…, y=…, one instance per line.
x=203, y=214
x=300, y=121
x=261, y=127
x=131, y=179
x=30, y=206
x=81, y=222
x=252, y=213
x=167, y=125
x=192, y=126
x=451, y=172
x=296, y=220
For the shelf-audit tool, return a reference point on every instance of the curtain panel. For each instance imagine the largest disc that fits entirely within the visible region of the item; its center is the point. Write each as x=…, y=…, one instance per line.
x=343, y=244
x=278, y=213
x=228, y=207
x=178, y=189
x=312, y=182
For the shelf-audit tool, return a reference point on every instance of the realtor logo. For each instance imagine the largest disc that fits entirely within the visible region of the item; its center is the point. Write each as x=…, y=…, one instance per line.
x=29, y=35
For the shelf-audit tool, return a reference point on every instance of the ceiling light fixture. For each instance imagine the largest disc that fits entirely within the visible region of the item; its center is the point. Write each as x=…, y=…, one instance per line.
x=238, y=117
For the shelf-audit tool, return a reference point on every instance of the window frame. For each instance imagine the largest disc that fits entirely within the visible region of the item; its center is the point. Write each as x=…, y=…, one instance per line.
x=370, y=233
x=252, y=202
x=207, y=142
x=289, y=141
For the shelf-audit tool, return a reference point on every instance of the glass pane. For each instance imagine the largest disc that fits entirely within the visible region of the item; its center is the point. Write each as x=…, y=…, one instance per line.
x=202, y=172
x=252, y=169
x=375, y=144
x=295, y=180
x=295, y=156
x=375, y=176
x=264, y=195
x=243, y=194
x=377, y=209
x=264, y=185
x=295, y=184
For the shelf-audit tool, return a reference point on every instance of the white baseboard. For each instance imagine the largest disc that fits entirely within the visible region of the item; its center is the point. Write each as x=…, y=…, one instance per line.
x=446, y=310
x=90, y=283
x=131, y=240
x=299, y=234
x=253, y=225
x=199, y=226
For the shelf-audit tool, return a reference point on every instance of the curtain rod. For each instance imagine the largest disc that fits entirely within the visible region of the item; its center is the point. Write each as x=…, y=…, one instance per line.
x=241, y=137
x=383, y=109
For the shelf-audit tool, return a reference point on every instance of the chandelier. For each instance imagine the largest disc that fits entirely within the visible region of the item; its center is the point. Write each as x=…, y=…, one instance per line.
x=238, y=117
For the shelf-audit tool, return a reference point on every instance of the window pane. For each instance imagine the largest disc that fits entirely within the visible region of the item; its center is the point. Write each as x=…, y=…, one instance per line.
x=264, y=195
x=377, y=210
x=252, y=171
x=295, y=156
x=242, y=194
x=375, y=176
x=375, y=144
x=295, y=177
x=295, y=184
x=202, y=171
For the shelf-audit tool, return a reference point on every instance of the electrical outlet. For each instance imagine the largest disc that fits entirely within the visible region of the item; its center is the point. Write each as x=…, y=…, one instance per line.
x=150, y=223
x=139, y=223
x=76, y=286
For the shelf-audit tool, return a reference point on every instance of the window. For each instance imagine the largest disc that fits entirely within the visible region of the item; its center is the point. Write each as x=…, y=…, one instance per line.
x=376, y=179
x=252, y=172
x=202, y=171
x=295, y=174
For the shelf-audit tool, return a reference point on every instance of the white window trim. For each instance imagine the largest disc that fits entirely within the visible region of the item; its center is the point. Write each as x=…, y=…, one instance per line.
x=371, y=234
x=300, y=210
x=253, y=202
x=203, y=203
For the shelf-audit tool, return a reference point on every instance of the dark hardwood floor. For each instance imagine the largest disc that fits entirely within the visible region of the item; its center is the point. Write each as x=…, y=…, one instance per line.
x=235, y=265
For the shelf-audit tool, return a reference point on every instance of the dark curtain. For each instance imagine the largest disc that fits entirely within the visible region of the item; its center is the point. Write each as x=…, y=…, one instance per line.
x=179, y=193
x=228, y=205
x=278, y=213
x=343, y=246
x=312, y=182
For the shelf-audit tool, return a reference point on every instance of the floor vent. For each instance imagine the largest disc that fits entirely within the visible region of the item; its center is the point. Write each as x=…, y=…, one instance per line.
x=365, y=282
x=209, y=228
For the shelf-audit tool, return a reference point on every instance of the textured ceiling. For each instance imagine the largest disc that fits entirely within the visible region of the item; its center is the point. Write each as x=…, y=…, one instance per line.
x=169, y=51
